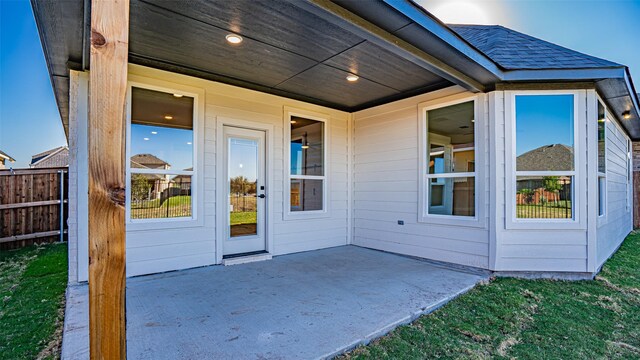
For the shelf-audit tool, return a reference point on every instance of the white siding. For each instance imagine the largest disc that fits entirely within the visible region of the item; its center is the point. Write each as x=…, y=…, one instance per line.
x=535, y=249
x=158, y=250
x=385, y=188
x=618, y=219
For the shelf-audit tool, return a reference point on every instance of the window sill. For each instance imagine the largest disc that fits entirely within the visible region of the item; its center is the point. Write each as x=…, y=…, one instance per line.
x=306, y=215
x=163, y=224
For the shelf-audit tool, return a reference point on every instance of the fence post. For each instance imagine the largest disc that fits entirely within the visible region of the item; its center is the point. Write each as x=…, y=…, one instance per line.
x=61, y=172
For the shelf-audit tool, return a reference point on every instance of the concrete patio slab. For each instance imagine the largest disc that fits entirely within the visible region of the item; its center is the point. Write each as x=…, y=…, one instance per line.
x=302, y=306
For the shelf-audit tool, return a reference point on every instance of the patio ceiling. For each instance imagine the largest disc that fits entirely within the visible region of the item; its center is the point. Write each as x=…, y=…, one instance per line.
x=304, y=50
x=298, y=49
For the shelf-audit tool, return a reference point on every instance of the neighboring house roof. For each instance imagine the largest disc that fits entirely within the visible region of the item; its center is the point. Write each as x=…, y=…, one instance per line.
x=5, y=156
x=183, y=178
x=56, y=157
x=148, y=161
x=556, y=157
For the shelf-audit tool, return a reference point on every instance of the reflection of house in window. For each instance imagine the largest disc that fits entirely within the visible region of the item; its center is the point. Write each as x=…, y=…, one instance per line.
x=158, y=182
x=535, y=190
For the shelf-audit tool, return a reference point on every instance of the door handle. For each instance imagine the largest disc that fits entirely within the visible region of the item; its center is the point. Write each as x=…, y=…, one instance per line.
x=262, y=196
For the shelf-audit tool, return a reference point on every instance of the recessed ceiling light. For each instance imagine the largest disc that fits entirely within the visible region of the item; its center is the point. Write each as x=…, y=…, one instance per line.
x=626, y=115
x=473, y=120
x=234, y=38
x=352, y=77
x=293, y=121
x=168, y=117
x=146, y=139
x=189, y=143
x=154, y=132
x=178, y=95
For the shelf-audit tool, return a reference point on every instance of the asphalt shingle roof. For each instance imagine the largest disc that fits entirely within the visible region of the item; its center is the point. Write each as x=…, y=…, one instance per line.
x=148, y=160
x=556, y=157
x=513, y=50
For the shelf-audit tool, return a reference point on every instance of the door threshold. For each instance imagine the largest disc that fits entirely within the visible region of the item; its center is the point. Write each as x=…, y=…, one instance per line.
x=245, y=258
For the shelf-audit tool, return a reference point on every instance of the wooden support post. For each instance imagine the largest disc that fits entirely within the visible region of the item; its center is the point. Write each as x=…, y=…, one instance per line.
x=107, y=93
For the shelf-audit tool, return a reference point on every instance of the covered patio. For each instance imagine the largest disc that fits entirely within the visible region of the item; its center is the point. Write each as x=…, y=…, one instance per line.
x=314, y=304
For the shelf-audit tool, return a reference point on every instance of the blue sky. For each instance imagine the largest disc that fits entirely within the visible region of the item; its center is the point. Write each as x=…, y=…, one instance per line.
x=30, y=122
x=174, y=146
x=543, y=120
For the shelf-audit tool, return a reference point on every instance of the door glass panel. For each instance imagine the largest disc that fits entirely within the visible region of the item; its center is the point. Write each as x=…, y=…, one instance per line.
x=243, y=178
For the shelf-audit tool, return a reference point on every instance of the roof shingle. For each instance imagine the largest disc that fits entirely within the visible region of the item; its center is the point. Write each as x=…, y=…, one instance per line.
x=513, y=50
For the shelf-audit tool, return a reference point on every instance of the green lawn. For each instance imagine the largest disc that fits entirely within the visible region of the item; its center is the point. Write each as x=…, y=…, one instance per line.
x=32, y=286
x=505, y=318
x=175, y=206
x=530, y=319
x=248, y=217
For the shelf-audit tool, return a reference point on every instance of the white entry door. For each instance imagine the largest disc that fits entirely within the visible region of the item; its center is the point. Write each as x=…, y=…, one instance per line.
x=245, y=193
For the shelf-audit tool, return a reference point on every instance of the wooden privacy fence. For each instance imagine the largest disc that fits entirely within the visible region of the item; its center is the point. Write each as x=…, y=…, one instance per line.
x=33, y=206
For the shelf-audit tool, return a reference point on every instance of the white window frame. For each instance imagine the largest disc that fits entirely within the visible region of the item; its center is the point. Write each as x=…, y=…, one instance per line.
x=287, y=214
x=197, y=203
x=602, y=176
x=579, y=199
x=480, y=139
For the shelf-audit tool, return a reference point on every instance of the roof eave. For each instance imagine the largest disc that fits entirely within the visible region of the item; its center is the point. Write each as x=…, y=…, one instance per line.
x=432, y=24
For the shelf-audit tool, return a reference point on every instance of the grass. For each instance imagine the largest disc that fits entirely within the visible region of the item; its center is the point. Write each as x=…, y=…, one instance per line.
x=249, y=217
x=32, y=286
x=175, y=206
x=525, y=319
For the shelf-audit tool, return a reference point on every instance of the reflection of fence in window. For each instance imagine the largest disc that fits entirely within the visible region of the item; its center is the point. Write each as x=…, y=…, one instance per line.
x=546, y=197
x=160, y=198
x=242, y=203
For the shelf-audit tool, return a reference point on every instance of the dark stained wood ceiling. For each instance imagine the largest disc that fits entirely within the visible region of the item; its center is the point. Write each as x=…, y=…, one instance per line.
x=286, y=50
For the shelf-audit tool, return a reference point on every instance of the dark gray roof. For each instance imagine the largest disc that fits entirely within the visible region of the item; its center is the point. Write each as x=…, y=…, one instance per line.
x=148, y=160
x=514, y=50
x=37, y=157
x=58, y=157
x=556, y=157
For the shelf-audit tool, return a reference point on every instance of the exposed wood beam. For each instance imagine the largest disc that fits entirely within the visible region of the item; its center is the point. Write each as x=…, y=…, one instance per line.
x=107, y=91
x=342, y=17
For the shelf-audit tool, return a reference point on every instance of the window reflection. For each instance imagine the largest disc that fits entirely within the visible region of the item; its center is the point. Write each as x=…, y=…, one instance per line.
x=544, y=156
x=451, y=149
x=307, y=169
x=243, y=181
x=161, y=149
x=544, y=133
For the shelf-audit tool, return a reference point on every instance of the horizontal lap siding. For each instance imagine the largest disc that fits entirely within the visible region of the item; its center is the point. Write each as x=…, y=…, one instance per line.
x=159, y=250
x=385, y=189
x=618, y=220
